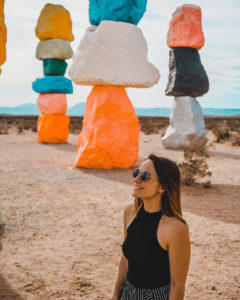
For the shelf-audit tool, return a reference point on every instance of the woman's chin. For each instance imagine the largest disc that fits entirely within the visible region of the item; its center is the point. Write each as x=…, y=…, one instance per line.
x=136, y=194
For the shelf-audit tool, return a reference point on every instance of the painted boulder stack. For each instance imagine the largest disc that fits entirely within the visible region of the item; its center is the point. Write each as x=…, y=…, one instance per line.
x=187, y=80
x=123, y=11
x=54, y=29
x=110, y=57
x=3, y=35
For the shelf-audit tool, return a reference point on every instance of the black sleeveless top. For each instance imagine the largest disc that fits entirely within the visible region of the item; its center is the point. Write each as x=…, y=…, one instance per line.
x=148, y=262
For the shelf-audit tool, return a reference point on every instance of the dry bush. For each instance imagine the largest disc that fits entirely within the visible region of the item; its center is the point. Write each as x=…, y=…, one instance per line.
x=3, y=129
x=224, y=128
x=150, y=125
x=221, y=133
x=194, y=167
x=236, y=139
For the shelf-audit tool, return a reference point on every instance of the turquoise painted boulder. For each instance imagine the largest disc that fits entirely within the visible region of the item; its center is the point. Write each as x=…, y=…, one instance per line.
x=54, y=66
x=129, y=11
x=53, y=84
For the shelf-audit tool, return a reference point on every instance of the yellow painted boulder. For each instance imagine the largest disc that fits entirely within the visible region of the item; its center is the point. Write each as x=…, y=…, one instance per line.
x=3, y=35
x=55, y=104
x=53, y=129
x=110, y=135
x=54, y=22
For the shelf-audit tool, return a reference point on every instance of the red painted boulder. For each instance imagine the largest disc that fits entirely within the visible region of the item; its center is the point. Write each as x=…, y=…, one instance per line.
x=53, y=129
x=185, y=29
x=110, y=135
x=55, y=104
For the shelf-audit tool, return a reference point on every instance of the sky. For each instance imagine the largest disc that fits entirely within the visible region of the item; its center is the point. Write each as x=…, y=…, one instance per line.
x=220, y=54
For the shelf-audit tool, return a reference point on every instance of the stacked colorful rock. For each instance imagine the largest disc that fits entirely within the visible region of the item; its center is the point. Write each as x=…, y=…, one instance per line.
x=124, y=11
x=111, y=56
x=187, y=80
x=3, y=35
x=54, y=29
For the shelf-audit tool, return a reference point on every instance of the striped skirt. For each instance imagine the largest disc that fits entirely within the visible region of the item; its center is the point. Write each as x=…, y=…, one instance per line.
x=130, y=292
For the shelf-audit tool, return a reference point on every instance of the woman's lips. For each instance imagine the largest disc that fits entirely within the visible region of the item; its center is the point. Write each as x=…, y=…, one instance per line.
x=138, y=188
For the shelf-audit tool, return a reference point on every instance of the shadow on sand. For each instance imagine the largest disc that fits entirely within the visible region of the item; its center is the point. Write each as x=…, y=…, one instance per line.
x=67, y=147
x=220, y=202
x=6, y=292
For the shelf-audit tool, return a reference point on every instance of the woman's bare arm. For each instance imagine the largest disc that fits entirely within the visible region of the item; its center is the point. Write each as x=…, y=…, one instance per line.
x=123, y=266
x=179, y=258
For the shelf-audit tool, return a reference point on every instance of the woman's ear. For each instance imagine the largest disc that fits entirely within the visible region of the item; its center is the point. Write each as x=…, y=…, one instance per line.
x=161, y=190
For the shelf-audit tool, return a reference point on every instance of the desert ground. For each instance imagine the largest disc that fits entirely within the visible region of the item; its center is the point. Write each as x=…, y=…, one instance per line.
x=64, y=226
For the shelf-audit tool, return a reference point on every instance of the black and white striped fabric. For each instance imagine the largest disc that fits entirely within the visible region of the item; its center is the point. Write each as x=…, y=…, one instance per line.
x=130, y=292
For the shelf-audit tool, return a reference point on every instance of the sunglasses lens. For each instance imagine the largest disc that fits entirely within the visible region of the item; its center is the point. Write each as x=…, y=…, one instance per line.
x=144, y=176
x=135, y=173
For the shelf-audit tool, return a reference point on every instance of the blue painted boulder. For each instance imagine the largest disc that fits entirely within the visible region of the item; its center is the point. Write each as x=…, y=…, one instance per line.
x=53, y=84
x=129, y=11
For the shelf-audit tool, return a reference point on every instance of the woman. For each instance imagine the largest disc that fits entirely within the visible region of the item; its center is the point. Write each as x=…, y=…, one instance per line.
x=156, y=248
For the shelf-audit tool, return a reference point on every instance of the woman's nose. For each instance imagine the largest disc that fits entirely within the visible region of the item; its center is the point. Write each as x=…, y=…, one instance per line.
x=137, y=179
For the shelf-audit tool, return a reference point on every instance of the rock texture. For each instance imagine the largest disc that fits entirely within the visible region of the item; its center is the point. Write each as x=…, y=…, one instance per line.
x=185, y=28
x=53, y=129
x=186, y=129
x=53, y=84
x=187, y=76
x=114, y=53
x=53, y=66
x=54, y=48
x=110, y=135
x=124, y=11
x=3, y=35
x=54, y=22
x=55, y=104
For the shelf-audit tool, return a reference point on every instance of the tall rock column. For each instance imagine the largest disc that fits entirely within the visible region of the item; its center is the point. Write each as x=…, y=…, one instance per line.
x=3, y=35
x=54, y=29
x=187, y=80
x=111, y=55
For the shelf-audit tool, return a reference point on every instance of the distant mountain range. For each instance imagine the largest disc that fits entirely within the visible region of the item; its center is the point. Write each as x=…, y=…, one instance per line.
x=78, y=110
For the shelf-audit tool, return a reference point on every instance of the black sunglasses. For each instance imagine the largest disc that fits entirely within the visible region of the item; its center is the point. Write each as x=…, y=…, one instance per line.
x=144, y=175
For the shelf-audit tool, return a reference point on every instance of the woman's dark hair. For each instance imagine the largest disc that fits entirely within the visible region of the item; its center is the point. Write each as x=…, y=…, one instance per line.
x=169, y=177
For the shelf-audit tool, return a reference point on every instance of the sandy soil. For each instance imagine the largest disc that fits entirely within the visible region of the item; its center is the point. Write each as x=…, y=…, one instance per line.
x=63, y=232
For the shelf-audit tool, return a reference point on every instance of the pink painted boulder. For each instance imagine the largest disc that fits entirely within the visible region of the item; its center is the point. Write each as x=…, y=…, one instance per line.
x=54, y=104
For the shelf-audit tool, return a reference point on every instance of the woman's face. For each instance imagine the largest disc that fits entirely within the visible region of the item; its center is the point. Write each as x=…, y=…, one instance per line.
x=150, y=188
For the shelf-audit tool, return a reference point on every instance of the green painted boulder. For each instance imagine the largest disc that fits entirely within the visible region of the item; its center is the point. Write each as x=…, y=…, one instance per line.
x=54, y=66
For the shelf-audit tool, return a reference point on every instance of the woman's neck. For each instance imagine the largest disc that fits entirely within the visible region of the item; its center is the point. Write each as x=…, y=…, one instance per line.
x=152, y=204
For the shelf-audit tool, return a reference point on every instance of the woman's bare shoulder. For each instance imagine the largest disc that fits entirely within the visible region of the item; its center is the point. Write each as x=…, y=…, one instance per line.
x=129, y=209
x=174, y=225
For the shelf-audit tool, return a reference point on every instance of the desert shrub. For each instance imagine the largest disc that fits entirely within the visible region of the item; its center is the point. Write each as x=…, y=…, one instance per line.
x=20, y=129
x=151, y=125
x=1, y=220
x=236, y=140
x=194, y=167
x=3, y=129
x=34, y=128
x=221, y=133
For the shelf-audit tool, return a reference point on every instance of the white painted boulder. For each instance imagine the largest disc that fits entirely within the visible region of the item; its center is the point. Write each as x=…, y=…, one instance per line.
x=186, y=129
x=113, y=53
x=54, y=48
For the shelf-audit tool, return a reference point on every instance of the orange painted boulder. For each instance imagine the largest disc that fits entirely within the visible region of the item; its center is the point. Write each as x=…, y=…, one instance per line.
x=53, y=129
x=54, y=22
x=110, y=135
x=3, y=35
x=55, y=104
x=185, y=29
